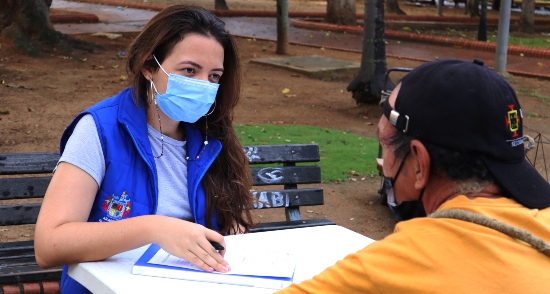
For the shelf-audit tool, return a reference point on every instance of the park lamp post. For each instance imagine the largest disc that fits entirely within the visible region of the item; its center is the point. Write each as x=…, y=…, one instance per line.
x=502, y=37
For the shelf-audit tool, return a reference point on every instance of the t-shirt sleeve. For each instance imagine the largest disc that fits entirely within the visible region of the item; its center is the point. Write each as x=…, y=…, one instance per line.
x=83, y=149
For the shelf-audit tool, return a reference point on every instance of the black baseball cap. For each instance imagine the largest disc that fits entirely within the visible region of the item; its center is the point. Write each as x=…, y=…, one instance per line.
x=465, y=106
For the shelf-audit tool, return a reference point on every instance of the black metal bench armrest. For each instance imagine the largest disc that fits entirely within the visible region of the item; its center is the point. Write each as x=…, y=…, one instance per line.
x=284, y=225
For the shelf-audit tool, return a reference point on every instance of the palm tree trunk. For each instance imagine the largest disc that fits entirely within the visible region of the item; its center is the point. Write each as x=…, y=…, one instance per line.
x=220, y=5
x=367, y=87
x=26, y=24
x=341, y=12
x=282, y=27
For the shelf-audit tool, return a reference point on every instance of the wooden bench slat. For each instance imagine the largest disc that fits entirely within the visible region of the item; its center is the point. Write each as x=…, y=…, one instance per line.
x=288, y=198
x=263, y=176
x=282, y=153
x=18, y=262
x=27, y=163
x=30, y=274
x=19, y=214
x=17, y=245
x=18, y=259
x=9, y=252
x=23, y=188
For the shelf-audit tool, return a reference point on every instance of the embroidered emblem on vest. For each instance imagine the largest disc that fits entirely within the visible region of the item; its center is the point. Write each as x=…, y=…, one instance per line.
x=117, y=207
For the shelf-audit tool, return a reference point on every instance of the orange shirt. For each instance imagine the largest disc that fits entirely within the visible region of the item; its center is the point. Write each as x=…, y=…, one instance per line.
x=427, y=255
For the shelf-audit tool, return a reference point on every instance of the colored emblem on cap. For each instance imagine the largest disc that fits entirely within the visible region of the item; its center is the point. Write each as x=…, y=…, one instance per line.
x=513, y=120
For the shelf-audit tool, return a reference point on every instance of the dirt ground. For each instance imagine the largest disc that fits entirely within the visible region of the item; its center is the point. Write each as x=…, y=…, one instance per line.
x=40, y=96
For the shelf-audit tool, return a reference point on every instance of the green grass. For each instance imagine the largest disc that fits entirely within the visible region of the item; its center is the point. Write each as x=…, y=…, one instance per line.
x=536, y=42
x=514, y=38
x=540, y=96
x=343, y=154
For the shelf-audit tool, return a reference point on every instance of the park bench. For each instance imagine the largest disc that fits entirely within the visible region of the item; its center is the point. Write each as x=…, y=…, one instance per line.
x=289, y=175
x=25, y=176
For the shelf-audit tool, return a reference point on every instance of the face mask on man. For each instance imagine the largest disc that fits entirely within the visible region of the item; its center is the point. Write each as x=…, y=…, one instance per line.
x=185, y=99
x=407, y=209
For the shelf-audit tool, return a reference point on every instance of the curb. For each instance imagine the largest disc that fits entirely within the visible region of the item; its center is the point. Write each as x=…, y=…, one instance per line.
x=122, y=3
x=459, y=19
x=74, y=18
x=258, y=13
x=438, y=40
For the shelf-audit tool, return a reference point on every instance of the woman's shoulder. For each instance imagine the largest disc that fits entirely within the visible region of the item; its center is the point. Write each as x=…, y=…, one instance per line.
x=122, y=97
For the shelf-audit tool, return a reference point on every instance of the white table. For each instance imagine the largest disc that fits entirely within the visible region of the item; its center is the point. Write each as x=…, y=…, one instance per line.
x=316, y=248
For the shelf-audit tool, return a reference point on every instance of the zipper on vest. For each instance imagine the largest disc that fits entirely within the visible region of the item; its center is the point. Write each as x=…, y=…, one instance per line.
x=155, y=182
x=203, y=169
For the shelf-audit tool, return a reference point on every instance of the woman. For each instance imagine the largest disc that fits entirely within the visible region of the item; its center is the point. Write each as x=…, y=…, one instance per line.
x=160, y=161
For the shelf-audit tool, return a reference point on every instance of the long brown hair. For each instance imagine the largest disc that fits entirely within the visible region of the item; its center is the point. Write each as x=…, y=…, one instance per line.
x=228, y=181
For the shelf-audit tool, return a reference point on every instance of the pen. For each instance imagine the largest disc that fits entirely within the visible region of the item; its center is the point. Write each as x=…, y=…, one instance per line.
x=217, y=245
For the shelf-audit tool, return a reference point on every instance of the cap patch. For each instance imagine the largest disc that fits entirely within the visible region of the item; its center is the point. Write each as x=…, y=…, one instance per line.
x=513, y=120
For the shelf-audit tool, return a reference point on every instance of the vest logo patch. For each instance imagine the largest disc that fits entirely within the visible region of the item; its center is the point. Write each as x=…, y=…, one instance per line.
x=116, y=207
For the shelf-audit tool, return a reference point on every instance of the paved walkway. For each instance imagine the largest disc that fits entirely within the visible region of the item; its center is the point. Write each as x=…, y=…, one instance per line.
x=122, y=19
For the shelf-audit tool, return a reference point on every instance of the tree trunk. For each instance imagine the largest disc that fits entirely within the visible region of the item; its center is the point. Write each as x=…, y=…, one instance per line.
x=440, y=7
x=367, y=87
x=282, y=27
x=482, y=30
x=527, y=17
x=220, y=5
x=392, y=6
x=26, y=25
x=472, y=8
x=341, y=12
x=496, y=5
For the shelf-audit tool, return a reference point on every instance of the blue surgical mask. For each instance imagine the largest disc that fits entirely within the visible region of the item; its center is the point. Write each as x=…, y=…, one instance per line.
x=407, y=209
x=185, y=99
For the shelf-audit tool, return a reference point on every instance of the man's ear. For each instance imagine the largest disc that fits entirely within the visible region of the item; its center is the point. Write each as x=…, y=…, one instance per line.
x=421, y=164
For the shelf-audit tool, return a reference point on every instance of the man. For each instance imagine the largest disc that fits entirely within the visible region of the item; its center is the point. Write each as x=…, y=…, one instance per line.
x=453, y=150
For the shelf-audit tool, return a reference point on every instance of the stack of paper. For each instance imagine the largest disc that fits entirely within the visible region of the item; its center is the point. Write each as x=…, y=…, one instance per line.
x=251, y=265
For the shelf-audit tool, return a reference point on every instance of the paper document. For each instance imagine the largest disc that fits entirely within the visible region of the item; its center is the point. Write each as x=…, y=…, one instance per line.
x=253, y=262
x=243, y=261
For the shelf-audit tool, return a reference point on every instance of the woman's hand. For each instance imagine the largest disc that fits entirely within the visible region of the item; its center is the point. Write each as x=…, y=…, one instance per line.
x=191, y=242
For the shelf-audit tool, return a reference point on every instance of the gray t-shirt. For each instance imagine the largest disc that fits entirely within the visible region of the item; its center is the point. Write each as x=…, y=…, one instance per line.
x=83, y=150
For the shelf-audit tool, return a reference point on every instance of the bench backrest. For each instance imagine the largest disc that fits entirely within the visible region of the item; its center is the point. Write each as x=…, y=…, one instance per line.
x=286, y=174
x=24, y=187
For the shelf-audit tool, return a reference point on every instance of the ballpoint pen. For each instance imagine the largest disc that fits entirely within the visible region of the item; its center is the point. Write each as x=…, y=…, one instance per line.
x=217, y=245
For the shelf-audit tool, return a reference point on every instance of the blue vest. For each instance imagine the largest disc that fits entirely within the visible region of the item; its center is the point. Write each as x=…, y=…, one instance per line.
x=130, y=185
